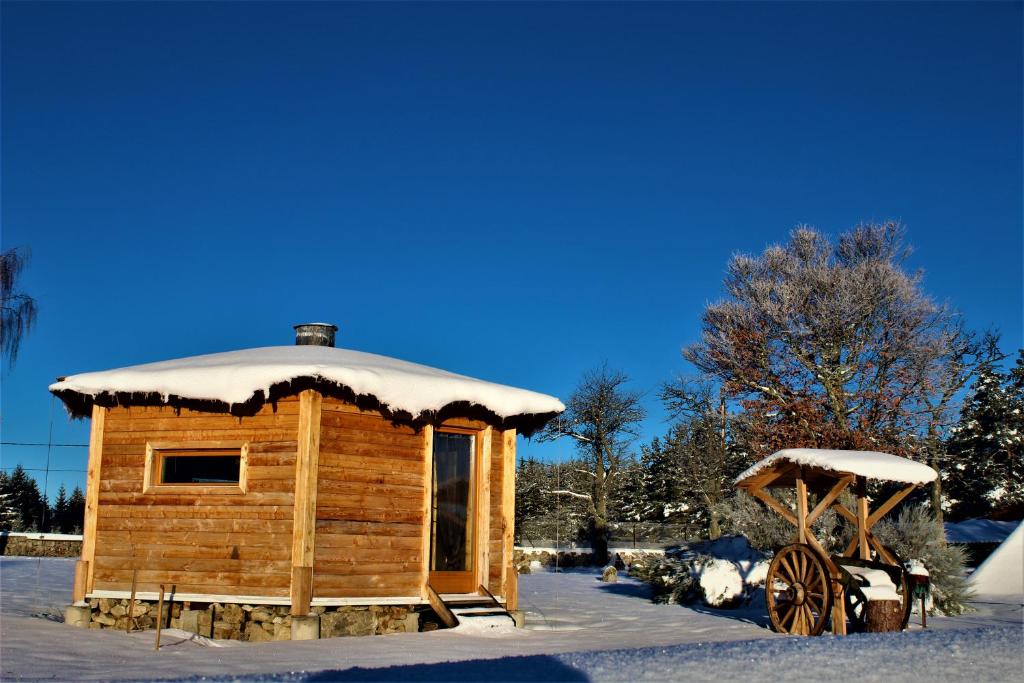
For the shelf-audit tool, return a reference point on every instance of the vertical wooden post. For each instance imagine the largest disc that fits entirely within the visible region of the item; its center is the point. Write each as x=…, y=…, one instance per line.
x=92, y=497
x=508, y=510
x=78, y=590
x=801, y=507
x=838, y=608
x=131, y=603
x=159, y=617
x=483, y=508
x=307, y=460
x=428, y=505
x=862, y=519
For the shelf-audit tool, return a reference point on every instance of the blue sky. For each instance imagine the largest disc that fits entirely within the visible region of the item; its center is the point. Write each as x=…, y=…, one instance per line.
x=517, y=192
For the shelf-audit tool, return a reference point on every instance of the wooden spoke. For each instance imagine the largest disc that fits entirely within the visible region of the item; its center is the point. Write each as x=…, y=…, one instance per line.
x=790, y=572
x=790, y=613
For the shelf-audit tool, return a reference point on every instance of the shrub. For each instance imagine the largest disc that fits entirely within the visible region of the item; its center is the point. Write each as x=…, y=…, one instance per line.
x=916, y=534
x=720, y=573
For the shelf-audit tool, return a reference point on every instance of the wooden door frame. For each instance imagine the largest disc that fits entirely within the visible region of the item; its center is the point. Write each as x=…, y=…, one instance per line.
x=478, y=516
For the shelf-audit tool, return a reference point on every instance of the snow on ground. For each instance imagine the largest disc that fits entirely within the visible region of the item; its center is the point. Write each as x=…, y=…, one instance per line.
x=579, y=629
x=235, y=376
x=1003, y=572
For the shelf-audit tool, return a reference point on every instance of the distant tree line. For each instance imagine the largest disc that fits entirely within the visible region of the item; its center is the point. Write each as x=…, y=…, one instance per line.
x=816, y=344
x=23, y=507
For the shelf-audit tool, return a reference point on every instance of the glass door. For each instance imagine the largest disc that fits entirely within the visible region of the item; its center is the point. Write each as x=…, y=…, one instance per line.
x=452, y=509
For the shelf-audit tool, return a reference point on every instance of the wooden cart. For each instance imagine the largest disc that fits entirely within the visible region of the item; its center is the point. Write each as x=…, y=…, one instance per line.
x=805, y=586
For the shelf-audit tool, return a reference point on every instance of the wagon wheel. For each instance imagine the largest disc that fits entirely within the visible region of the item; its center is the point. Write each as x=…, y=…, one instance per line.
x=856, y=602
x=798, y=591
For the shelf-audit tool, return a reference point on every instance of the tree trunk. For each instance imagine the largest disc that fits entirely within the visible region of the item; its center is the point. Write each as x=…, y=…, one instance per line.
x=936, y=488
x=599, y=541
x=883, y=616
x=714, y=531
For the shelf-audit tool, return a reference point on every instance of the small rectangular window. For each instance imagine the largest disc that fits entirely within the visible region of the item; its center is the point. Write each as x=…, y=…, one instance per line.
x=196, y=467
x=209, y=467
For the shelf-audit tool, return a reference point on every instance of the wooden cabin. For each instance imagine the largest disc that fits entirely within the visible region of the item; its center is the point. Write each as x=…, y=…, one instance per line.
x=302, y=476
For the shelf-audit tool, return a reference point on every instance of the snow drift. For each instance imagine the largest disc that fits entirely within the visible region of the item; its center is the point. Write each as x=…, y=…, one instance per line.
x=1002, y=573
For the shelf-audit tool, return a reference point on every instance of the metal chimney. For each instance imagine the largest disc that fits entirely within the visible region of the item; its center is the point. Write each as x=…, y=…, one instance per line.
x=315, y=334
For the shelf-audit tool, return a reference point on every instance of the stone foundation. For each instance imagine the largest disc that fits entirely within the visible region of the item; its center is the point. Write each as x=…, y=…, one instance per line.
x=256, y=623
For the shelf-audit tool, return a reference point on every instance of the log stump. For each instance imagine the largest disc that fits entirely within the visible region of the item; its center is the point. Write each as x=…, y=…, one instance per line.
x=883, y=616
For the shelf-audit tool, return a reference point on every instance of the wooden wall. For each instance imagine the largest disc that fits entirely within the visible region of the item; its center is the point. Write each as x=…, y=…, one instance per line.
x=372, y=479
x=369, y=508
x=215, y=544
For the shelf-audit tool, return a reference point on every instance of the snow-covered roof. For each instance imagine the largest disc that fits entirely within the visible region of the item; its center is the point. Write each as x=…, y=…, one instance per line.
x=237, y=377
x=870, y=464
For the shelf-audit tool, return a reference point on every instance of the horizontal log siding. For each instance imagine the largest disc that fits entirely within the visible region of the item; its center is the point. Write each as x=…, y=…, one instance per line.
x=494, y=570
x=217, y=544
x=369, y=506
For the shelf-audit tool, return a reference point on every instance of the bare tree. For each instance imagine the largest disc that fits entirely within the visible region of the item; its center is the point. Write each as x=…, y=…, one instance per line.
x=602, y=418
x=707, y=457
x=19, y=309
x=835, y=345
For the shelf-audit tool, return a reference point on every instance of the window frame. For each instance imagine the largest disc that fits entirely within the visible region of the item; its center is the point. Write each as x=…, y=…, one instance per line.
x=154, y=467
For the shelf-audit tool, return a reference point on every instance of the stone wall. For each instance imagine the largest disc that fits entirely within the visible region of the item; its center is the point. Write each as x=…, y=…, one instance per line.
x=526, y=559
x=256, y=623
x=40, y=545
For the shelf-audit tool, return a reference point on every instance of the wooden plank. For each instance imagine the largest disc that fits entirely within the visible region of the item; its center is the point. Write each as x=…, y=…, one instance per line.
x=882, y=552
x=361, y=514
x=373, y=462
x=801, y=508
x=889, y=504
x=337, y=528
x=511, y=588
x=78, y=591
x=426, y=524
x=92, y=490
x=823, y=504
x=304, y=525
x=845, y=512
x=862, y=519
x=508, y=506
x=770, y=501
x=401, y=584
x=301, y=590
x=483, y=507
x=392, y=564
x=354, y=542
x=441, y=609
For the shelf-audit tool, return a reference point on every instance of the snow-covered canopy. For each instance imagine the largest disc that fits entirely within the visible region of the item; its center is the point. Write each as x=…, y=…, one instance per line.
x=868, y=464
x=237, y=377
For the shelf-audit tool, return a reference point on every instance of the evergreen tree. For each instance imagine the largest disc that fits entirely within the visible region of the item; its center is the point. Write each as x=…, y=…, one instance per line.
x=26, y=499
x=59, y=512
x=76, y=511
x=628, y=499
x=987, y=448
x=531, y=499
x=662, y=493
x=10, y=520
